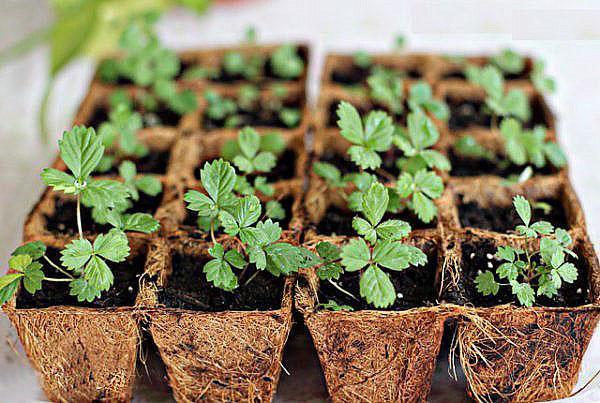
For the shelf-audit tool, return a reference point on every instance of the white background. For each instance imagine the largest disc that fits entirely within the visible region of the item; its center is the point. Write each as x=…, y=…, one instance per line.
x=566, y=34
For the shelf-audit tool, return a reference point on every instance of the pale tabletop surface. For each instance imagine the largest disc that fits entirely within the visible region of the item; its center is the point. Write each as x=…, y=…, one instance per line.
x=569, y=39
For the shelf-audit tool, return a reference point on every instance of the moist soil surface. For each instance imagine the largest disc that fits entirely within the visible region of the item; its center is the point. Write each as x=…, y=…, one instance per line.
x=122, y=293
x=415, y=286
x=471, y=113
x=353, y=74
x=64, y=218
x=163, y=116
x=505, y=219
x=468, y=166
x=339, y=222
x=155, y=162
x=285, y=168
x=187, y=288
x=258, y=116
x=478, y=254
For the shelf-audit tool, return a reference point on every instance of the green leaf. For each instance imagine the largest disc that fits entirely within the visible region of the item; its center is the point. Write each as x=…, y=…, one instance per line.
x=524, y=293
x=387, y=88
x=435, y=159
x=76, y=254
x=257, y=256
x=60, y=181
x=330, y=271
x=509, y=61
x=140, y=222
x=84, y=290
x=350, y=123
x=113, y=246
x=285, y=258
x=507, y=253
x=568, y=272
x=218, y=179
x=486, y=284
x=98, y=274
x=376, y=287
x=492, y=81
x=235, y=258
x=264, y=161
x=508, y=270
x=81, y=150
x=9, y=284
x=274, y=210
x=272, y=142
x=286, y=63
x=542, y=227
x=563, y=237
x=397, y=256
x=523, y=208
x=329, y=172
x=555, y=154
x=35, y=249
x=201, y=203
x=364, y=158
x=33, y=277
x=328, y=251
x=19, y=262
x=424, y=207
x=363, y=228
x=261, y=185
x=290, y=116
x=374, y=203
x=104, y=193
x=334, y=306
x=247, y=211
x=515, y=103
x=148, y=184
x=219, y=272
x=355, y=254
x=469, y=147
x=249, y=142
x=127, y=170
x=393, y=230
x=378, y=132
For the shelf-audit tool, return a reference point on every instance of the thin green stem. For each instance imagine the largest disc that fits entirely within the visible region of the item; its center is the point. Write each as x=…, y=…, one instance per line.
x=79, y=227
x=58, y=268
x=251, y=278
x=212, y=231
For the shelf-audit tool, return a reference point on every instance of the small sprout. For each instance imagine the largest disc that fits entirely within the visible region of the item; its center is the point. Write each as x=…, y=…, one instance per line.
x=420, y=99
x=386, y=87
x=362, y=59
x=528, y=277
x=286, y=63
x=399, y=42
x=467, y=146
x=334, y=306
x=509, y=61
x=219, y=108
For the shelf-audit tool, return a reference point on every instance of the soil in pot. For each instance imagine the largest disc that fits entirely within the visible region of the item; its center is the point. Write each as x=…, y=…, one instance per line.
x=471, y=113
x=155, y=162
x=255, y=117
x=64, y=218
x=285, y=168
x=505, y=219
x=468, y=166
x=122, y=293
x=478, y=255
x=353, y=74
x=415, y=286
x=187, y=288
x=338, y=221
x=163, y=116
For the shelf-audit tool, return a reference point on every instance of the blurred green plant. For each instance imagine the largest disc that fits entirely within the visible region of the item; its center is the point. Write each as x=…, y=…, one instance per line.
x=89, y=28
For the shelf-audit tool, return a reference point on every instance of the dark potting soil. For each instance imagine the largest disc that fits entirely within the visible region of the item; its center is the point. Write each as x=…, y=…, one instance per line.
x=187, y=288
x=258, y=116
x=163, y=116
x=469, y=113
x=64, y=218
x=467, y=166
x=475, y=257
x=155, y=162
x=285, y=168
x=415, y=286
x=123, y=292
x=353, y=74
x=505, y=219
x=339, y=222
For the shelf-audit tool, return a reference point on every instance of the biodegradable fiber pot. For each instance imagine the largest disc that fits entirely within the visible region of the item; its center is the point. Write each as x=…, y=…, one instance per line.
x=82, y=354
x=516, y=354
x=216, y=355
x=372, y=355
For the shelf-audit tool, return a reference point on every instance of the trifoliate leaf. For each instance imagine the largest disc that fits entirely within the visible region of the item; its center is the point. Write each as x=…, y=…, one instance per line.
x=218, y=179
x=507, y=253
x=32, y=281
x=387, y=88
x=376, y=287
x=113, y=246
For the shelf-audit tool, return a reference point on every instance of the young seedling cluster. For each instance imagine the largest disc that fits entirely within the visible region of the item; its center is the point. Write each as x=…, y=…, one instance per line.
x=260, y=243
x=149, y=65
x=532, y=273
x=84, y=264
x=378, y=247
x=417, y=186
